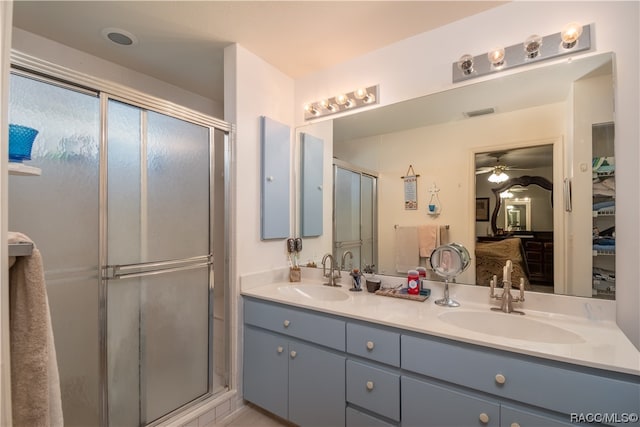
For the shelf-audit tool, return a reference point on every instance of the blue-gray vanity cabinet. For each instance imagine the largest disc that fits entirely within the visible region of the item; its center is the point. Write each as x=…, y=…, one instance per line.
x=296, y=380
x=374, y=343
x=425, y=404
x=561, y=388
x=266, y=371
x=374, y=388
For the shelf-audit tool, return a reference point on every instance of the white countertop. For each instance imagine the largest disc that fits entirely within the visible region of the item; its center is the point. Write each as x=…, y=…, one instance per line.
x=603, y=345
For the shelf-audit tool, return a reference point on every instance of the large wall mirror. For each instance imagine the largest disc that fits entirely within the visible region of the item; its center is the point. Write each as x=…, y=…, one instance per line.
x=543, y=117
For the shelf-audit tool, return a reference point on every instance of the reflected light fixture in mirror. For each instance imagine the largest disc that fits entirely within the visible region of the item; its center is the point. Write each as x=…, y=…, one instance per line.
x=498, y=176
x=572, y=39
x=345, y=101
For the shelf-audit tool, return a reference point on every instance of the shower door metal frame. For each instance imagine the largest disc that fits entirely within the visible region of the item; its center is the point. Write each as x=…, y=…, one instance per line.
x=107, y=90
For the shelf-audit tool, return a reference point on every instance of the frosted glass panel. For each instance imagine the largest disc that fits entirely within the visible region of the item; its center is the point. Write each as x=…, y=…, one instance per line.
x=59, y=211
x=124, y=184
x=174, y=327
x=347, y=205
x=178, y=188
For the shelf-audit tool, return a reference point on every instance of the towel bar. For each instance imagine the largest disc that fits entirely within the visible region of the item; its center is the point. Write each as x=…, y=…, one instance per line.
x=20, y=249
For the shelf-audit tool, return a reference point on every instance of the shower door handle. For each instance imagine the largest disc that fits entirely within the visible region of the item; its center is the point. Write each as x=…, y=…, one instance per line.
x=127, y=271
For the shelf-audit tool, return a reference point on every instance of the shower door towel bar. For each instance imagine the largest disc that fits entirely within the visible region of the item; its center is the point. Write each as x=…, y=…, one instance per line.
x=20, y=249
x=150, y=268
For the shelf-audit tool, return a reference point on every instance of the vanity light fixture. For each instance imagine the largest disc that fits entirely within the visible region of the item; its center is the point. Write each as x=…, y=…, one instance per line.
x=506, y=195
x=572, y=39
x=345, y=101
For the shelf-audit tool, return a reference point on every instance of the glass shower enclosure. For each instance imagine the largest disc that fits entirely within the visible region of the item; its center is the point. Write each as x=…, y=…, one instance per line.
x=129, y=215
x=355, y=214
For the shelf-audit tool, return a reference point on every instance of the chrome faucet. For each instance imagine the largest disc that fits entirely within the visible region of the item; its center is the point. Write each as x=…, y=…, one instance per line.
x=507, y=299
x=344, y=258
x=332, y=270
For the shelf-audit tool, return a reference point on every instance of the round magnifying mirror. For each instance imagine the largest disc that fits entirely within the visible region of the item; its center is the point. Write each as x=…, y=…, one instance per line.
x=448, y=261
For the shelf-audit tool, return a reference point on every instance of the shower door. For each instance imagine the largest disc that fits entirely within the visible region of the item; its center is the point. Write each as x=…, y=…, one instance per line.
x=157, y=269
x=355, y=214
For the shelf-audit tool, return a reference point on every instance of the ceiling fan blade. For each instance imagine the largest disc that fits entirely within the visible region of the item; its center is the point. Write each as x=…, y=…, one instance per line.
x=483, y=170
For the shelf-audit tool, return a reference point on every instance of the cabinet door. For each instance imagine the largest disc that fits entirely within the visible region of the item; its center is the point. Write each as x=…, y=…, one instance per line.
x=316, y=386
x=425, y=404
x=265, y=370
x=511, y=417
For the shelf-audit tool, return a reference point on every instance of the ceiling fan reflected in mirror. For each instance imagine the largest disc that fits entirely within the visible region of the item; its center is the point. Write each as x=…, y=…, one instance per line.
x=498, y=172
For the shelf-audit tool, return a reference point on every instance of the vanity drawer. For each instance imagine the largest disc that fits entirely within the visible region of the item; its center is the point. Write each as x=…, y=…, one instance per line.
x=374, y=389
x=373, y=343
x=427, y=404
x=546, y=384
x=356, y=418
x=319, y=329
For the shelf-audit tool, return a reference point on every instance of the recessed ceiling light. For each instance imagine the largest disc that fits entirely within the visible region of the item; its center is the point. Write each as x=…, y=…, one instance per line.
x=119, y=36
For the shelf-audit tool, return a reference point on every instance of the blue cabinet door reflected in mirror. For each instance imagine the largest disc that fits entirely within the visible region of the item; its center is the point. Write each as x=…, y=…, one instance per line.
x=312, y=178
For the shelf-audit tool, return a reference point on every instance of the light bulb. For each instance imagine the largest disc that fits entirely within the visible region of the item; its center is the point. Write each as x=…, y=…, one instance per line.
x=360, y=93
x=532, y=45
x=570, y=34
x=311, y=109
x=465, y=64
x=496, y=56
x=341, y=99
x=327, y=105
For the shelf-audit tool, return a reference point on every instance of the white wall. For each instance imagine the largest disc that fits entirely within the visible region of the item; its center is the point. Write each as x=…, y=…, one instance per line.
x=422, y=65
x=57, y=53
x=253, y=88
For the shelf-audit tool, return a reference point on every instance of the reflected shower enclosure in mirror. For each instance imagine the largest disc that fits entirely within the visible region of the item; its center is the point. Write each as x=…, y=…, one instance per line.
x=440, y=135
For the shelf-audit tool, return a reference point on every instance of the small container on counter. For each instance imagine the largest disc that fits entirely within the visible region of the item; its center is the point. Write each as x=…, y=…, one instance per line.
x=413, y=282
x=422, y=272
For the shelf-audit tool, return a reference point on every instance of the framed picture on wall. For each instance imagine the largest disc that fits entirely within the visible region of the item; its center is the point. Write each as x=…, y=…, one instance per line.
x=482, y=209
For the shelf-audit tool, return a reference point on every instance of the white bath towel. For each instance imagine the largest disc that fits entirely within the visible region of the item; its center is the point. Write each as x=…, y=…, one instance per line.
x=407, y=254
x=35, y=381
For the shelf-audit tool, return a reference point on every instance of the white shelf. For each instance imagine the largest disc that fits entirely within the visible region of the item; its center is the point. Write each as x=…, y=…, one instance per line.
x=24, y=170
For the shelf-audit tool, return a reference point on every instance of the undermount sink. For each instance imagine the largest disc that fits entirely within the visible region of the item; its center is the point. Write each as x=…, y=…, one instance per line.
x=314, y=292
x=510, y=326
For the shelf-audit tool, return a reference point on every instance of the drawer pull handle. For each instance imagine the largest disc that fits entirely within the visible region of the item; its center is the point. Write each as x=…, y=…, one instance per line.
x=293, y=354
x=286, y=323
x=501, y=379
x=370, y=345
x=484, y=418
x=280, y=349
x=369, y=385
x=515, y=425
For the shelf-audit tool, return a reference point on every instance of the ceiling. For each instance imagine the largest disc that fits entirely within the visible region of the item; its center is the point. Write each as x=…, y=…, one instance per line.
x=182, y=42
